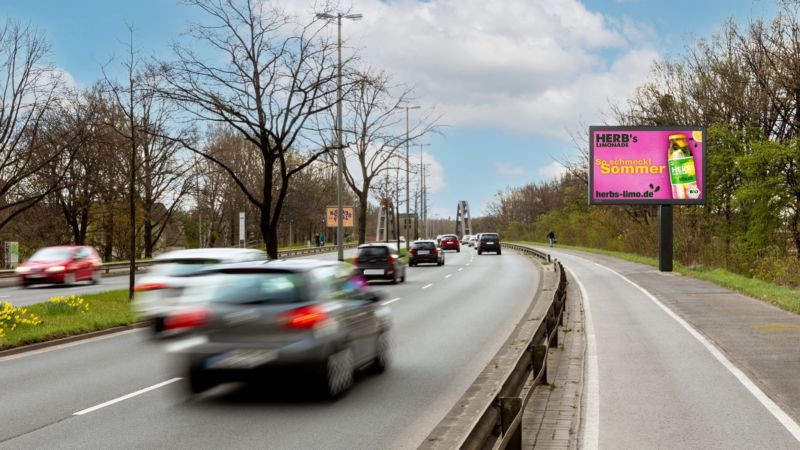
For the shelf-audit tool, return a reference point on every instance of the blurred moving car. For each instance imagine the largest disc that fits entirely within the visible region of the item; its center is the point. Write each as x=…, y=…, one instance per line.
x=450, y=242
x=65, y=264
x=380, y=261
x=425, y=251
x=302, y=317
x=159, y=291
x=465, y=239
x=489, y=242
x=473, y=240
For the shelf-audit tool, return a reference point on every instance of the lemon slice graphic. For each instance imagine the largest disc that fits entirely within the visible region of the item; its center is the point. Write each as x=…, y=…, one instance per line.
x=697, y=136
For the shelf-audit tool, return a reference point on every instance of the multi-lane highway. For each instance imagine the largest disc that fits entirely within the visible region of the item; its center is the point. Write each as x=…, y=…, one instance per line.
x=654, y=380
x=121, y=391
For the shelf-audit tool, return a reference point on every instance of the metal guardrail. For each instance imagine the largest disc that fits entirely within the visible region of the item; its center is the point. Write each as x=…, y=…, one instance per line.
x=123, y=266
x=500, y=405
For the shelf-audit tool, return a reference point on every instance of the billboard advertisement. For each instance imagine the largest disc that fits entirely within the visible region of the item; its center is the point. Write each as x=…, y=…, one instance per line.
x=333, y=211
x=647, y=165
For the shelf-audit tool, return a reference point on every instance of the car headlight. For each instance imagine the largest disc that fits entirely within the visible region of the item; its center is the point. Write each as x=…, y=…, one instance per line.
x=22, y=269
x=56, y=269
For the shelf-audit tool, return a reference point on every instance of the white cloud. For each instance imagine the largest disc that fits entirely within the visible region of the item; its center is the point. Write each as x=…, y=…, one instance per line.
x=507, y=170
x=530, y=66
x=552, y=170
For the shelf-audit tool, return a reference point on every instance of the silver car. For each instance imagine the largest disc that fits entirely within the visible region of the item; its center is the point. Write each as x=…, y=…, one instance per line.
x=301, y=317
x=161, y=289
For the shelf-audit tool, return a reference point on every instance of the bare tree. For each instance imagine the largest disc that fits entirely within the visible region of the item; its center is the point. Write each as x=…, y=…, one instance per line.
x=273, y=77
x=29, y=89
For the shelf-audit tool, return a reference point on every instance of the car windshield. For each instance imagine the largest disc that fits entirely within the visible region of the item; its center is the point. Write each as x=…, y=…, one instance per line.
x=177, y=268
x=490, y=236
x=52, y=254
x=424, y=245
x=252, y=288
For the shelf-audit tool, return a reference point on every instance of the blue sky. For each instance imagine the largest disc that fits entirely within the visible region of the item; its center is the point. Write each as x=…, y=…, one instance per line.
x=510, y=78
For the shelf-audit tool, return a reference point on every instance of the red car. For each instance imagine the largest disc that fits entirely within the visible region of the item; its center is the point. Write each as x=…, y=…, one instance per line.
x=450, y=242
x=61, y=264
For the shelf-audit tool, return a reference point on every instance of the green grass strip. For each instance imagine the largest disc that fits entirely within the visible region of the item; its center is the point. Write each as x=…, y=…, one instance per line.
x=106, y=310
x=784, y=297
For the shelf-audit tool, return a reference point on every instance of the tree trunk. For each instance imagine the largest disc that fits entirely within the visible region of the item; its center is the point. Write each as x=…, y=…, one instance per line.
x=363, y=204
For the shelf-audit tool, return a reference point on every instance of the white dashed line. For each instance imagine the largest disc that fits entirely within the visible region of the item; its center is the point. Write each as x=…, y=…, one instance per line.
x=427, y=286
x=448, y=276
x=390, y=301
x=460, y=269
x=125, y=397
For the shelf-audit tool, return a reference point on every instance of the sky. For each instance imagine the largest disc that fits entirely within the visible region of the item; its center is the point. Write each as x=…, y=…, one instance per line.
x=510, y=79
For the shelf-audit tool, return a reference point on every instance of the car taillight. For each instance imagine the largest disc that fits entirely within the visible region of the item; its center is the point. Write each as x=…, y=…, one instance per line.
x=305, y=317
x=187, y=319
x=413, y=251
x=434, y=252
x=355, y=260
x=391, y=259
x=150, y=287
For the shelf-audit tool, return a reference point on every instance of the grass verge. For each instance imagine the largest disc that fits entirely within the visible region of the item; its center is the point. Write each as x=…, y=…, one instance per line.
x=784, y=297
x=106, y=310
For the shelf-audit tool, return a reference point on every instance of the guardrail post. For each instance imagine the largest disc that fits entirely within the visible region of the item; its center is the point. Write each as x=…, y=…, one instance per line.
x=510, y=407
x=552, y=331
x=540, y=362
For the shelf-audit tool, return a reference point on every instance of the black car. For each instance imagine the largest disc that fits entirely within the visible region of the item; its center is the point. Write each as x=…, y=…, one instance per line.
x=489, y=242
x=302, y=317
x=380, y=261
x=425, y=252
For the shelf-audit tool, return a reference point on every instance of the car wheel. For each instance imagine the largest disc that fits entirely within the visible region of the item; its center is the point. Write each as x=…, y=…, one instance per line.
x=403, y=278
x=383, y=351
x=197, y=381
x=338, y=373
x=96, y=277
x=499, y=252
x=480, y=252
x=458, y=251
x=69, y=279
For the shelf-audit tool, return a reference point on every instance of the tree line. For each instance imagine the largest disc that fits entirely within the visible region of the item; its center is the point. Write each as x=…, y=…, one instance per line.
x=743, y=84
x=240, y=118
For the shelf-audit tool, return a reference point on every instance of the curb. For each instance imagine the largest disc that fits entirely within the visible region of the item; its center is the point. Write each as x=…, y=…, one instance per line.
x=67, y=339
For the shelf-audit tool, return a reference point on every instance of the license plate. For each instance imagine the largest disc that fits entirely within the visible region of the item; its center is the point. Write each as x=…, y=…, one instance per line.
x=241, y=359
x=36, y=275
x=423, y=252
x=373, y=272
x=489, y=242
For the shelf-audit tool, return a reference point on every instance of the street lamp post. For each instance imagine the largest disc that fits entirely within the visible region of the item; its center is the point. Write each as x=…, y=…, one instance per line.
x=421, y=212
x=339, y=150
x=408, y=184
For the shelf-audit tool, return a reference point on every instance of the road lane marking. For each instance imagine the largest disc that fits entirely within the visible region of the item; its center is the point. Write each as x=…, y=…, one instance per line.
x=390, y=301
x=448, y=276
x=427, y=286
x=460, y=269
x=776, y=411
x=591, y=431
x=125, y=397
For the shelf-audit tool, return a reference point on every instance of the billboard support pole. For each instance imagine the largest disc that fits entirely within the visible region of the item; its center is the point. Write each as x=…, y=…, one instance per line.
x=665, y=238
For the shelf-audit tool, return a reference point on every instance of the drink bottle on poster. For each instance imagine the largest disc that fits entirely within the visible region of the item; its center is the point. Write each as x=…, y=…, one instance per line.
x=682, y=173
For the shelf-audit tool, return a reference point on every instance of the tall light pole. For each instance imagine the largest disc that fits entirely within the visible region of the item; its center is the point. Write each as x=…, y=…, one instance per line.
x=408, y=184
x=420, y=213
x=339, y=150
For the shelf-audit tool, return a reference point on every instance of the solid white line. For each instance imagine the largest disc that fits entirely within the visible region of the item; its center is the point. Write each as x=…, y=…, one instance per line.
x=390, y=301
x=591, y=429
x=69, y=344
x=125, y=397
x=771, y=406
x=427, y=286
x=448, y=276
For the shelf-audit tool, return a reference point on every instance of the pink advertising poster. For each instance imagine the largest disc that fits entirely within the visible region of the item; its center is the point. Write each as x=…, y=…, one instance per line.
x=647, y=165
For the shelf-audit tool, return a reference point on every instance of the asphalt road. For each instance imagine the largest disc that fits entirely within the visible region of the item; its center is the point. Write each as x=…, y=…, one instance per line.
x=449, y=322
x=651, y=382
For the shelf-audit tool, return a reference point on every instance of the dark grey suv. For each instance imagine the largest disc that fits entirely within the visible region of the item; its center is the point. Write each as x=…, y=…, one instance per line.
x=380, y=261
x=425, y=252
x=316, y=318
x=489, y=242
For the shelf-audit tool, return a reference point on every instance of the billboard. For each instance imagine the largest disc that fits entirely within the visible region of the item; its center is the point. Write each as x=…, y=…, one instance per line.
x=647, y=165
x=333, y=211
